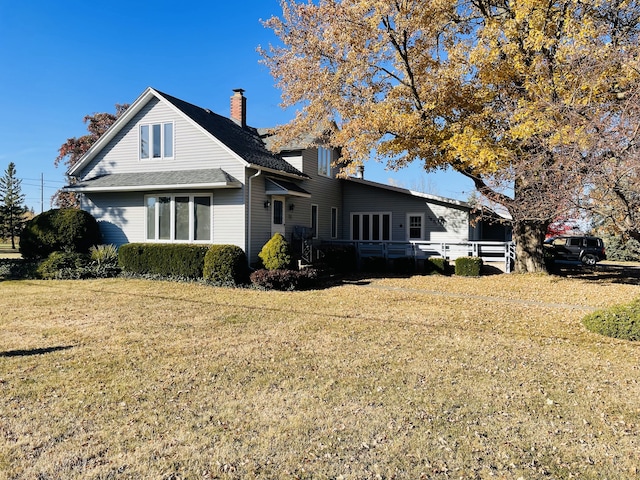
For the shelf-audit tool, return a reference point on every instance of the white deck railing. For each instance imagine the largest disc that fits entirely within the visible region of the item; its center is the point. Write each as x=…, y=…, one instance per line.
x=493, y=252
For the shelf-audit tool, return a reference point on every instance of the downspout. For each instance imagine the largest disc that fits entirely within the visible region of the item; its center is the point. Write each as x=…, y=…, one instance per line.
x=249, y=216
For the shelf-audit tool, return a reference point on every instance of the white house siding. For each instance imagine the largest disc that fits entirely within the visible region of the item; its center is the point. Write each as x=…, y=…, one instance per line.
x=193, y=147
x=121, y=216
x=359, y=198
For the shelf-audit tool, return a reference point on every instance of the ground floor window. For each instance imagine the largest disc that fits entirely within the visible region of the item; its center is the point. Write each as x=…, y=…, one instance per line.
x=334, y=222
x=181, y=218
x=314, y=220
x=374, y=226
x=415, y=221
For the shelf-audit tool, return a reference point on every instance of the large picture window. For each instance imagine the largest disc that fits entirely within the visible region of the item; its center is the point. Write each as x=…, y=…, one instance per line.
x=374, y=226
x=156, y=141
x=179, y=218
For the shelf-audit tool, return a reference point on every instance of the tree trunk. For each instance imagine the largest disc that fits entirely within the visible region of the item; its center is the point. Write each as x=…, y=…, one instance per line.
x=528, y=236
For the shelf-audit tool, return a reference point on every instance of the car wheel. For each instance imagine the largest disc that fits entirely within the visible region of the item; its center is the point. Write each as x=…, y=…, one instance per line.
x=589, y=259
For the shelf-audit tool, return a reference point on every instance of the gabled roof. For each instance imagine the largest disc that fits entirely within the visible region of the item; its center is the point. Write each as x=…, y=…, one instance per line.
x=170, y=180
x=243, y=143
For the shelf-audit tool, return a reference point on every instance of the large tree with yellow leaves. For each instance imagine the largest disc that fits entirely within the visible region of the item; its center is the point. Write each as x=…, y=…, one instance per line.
x=512, y=94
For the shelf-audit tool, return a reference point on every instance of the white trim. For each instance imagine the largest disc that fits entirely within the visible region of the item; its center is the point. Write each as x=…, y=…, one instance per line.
x=408, y=226
x=162, y=156
x=147, y=188
x=172, y=221
x=370, y=232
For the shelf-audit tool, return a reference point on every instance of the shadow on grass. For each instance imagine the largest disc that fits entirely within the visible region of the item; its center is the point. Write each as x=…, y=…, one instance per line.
x=34, y=351
x=613, y=273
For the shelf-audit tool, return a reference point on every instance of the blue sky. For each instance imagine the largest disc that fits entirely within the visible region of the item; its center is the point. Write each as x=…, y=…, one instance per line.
x=60, y=61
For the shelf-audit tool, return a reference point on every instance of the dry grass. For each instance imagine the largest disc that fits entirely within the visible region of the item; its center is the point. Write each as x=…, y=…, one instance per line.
x=427, y=377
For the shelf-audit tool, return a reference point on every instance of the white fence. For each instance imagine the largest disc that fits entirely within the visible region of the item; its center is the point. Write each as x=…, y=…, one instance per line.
x=491, y=252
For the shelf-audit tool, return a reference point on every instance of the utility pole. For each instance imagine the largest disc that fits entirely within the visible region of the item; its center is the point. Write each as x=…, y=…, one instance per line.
x=41, y=192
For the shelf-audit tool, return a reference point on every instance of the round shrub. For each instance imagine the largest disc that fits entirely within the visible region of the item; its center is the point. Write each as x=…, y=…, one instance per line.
x=468, y=266
x=226, y=265
x=276, y=253
x=59, y=230
x=620, y=321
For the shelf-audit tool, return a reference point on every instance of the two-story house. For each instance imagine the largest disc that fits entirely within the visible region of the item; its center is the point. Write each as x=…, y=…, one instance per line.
x=170, y=171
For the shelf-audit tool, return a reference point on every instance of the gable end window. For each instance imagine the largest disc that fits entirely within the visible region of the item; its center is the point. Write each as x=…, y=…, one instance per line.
x=324, y=161
x=156, y=141
x=178, y=218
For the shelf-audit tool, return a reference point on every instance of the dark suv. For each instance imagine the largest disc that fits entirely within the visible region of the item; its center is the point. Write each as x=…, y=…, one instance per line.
x=588, y=250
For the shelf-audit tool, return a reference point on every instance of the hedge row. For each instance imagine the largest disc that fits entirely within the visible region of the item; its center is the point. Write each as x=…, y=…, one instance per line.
x=219, y=264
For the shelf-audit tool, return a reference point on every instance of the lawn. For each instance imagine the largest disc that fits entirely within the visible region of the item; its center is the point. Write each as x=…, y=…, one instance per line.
x=423, y=377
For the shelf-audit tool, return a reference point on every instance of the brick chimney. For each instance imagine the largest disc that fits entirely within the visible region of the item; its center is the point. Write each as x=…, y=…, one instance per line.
x=239, y=107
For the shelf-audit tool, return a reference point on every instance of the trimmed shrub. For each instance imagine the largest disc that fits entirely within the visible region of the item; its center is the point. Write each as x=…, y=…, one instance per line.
x=163, y=259
x=226, y=265
x=437, y=266
x=276, y=253
x=620, y=321
x=59, y=230
x=286, y=280
x=341, y=258
x=65, y=265
x=468, y=266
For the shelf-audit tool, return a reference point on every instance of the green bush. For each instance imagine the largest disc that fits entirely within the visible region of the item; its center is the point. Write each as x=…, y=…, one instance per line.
x=622, y=250
x=286, y=280
x=166, y=260
x=59, y=230
x=468, y=266
x=374, y=264
x=276, y=253
x=65, y=265
x=437, y=266
x=104, y=261
x=226, y=265
x=620, y=321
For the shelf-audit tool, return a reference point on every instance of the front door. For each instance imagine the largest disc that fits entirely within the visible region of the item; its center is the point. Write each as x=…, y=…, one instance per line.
x=277, y=215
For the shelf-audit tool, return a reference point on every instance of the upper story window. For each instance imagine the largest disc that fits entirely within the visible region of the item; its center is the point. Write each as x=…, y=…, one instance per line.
x=156, y=140
x=324, y=161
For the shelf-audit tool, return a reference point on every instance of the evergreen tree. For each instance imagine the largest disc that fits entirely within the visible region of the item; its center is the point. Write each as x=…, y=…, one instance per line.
x=12, y=208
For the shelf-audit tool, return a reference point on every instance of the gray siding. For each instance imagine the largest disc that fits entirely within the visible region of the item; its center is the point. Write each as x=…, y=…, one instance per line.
x=193, y=148
x=123, y=215
x=358, y=198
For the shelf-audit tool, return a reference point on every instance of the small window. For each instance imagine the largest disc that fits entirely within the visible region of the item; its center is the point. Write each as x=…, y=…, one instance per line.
x=144, y=141
x=278, y=209
x=334, y=222
x=156, y=141
x=414, y=226
x=324, y=162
